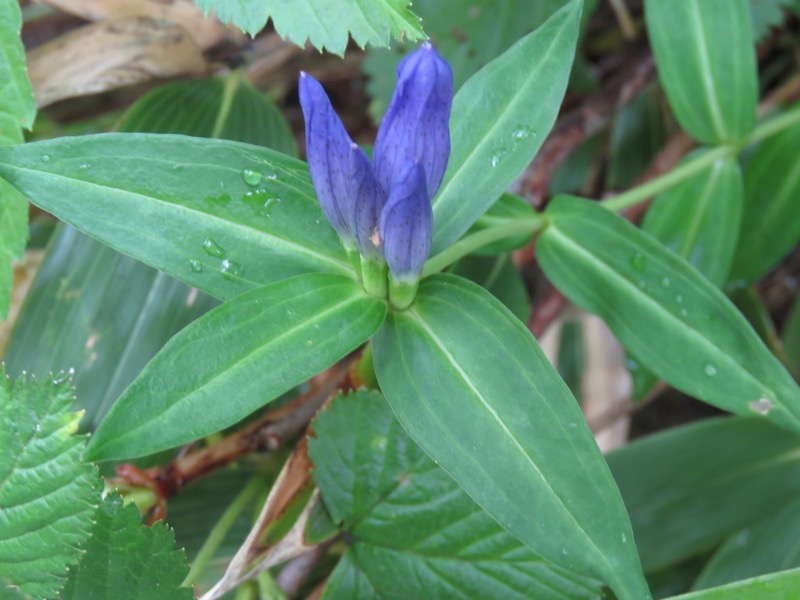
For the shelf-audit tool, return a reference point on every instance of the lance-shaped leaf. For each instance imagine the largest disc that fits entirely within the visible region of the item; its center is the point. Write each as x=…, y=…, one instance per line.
x=706, y=62
x=665, y=312
x=222, y=216
x=501, y=116
x=416, y=129
x=469, y=383
x=406, y=223
x=236, y=359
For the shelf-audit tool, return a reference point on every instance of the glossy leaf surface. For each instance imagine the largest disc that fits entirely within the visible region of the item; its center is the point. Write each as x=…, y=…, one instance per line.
x=48, y=497
x=664, y=312
x=699, y=218
x=236, y=359
x=689, y=488
x=469, y=383
x=500, y=118
x=221, y=216
x=399, y=508
x=706, y=63
x=325, y=23
x=125, y=558
x=778, y=586
x=771, y=200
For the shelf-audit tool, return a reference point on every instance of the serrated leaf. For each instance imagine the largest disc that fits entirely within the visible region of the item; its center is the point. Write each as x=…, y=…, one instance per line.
x=500, y=118
x=236, y=359
x=17, y=110
x=400, y=509
x=664, y=312
x=226, y=108
x=47, y=496
x=706, y=63
x=467, y=34
x=706, y=480
x=469, y=383
x=766, y=547
x=124, y=558
x=771, y=191
x=325, y=23
x=183, y=206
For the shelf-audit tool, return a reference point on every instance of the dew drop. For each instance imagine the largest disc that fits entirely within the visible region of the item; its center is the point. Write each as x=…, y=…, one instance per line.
x=683, y=312
x=268, y=203
x=231, y=269
x=497, y=157
x=679, y=298
x=521, y=132
x=37, y=428
x=638, y=262
x=710, y=370
x=213, y=249
x=665, y=282
x=252, y=177
x=45, y=157
x=195, y=266
x=761, y=406
x=624, y=538
x=84, y=166
x=177, y=167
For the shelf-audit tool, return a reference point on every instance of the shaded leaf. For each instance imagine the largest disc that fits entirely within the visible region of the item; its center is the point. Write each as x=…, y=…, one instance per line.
x=400, y=509
x=259, y=344
x=469, y=383
x=508, y=209
x=182, y=205
x=771, y=192
x=48, y=497
x=706, y=63
x=500, y=276
x=499, y=120
x=780, y=586
x=664, y=312
x=325, y=23
x=123, y=556
x=689, y=488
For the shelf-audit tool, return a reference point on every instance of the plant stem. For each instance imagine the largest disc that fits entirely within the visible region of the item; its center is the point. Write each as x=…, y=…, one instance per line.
x=222, y=527
x=481, y=238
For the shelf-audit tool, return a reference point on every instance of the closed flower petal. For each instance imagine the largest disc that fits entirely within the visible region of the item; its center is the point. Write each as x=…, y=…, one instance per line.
x=415, y=129
x=406, y=225
x=329, y=149
x=368, y=201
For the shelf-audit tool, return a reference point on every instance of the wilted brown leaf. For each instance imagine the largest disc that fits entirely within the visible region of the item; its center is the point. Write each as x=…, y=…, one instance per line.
x=109, y=55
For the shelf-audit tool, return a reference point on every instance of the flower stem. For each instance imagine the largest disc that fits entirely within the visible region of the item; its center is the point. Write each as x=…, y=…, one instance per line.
x=402, y=293
x=373, y=274
x=477, y=240
x=222, y=527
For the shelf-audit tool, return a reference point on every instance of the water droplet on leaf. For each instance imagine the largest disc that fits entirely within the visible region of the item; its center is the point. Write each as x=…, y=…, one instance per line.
x=710, y=370
x=665, y=282
x=195, y=266
x=213, y=249
x=252, y=177
x=45, y=157
x=638, y=262
x=231, y=269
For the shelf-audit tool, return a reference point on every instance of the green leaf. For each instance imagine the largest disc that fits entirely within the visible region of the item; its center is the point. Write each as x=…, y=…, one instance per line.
x=765, y=14
x=780, y=586
x=467, y=34
x=500, y=276
x=47, y=495
x=182, y=205
x=699, y=218
x=706, y=62
x=325, y=23
x=77, y=316
x=17, y=110
x=234, y=360
x=123, y=556
x=766, y=547
x=500, y=118
x=398, y=508
x=228, y=109
x=664, y=312
x=791, y=337
x=469, y=383
x=708, y=480
x=771, y=189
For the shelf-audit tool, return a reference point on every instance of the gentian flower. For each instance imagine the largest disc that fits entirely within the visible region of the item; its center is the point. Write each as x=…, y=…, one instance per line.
x=383, y=209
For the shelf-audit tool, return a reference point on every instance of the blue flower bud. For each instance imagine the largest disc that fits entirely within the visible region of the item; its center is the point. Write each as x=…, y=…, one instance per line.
x=368, y=201
x=415, y=129
x=330, y=158
x=406, y=225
